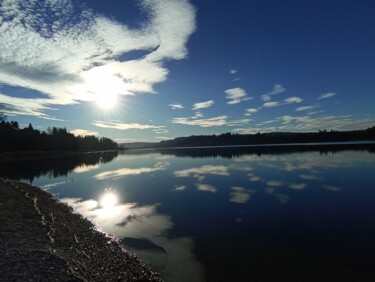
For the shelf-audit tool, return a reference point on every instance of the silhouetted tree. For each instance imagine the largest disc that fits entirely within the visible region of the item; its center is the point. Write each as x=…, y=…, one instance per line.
x=12, y=138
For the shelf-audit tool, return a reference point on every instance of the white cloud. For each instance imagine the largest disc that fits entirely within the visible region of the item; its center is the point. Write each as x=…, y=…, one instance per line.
x=53, y=185
x=232, y=71
x=272, y=104
x=326, y=95
x=179, y=188
x=86, y=168
x=309, y=123
x=146, y=223
x=163, y=138
x=255, y=178
x=125, y=126
x=236, y=95
x=210, y=122
x=307, y=177
x=287, y=101
x=206, y=187
x=203, y=170
x=293, y=100
x=70, y=54
x=83, y=132
x=160, y=131
x=274, y=183
x=203, y=105
x=239, y=195
x=176, y=106
x=277, y=89
x=250, y=111
x=332, y=188
x=297, y=186
x=304, y=108
x=19, y=106
x=118, y=173
x=198, y=115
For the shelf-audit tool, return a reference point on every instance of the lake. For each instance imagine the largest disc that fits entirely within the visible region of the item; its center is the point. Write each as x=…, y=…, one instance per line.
x=227, y=214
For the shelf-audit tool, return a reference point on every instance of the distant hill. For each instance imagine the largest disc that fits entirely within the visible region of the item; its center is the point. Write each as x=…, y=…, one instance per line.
x=138, y=145
x=228, y=139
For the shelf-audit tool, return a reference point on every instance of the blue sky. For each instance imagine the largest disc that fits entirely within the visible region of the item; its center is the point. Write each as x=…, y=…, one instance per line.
x=153, y=70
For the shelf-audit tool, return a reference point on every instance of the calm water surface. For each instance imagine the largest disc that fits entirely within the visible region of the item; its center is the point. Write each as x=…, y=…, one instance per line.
x=208, y=215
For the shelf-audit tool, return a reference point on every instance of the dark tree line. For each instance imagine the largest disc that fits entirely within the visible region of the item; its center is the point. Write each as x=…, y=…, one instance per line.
x=13, y=138
x=270, y=138
x=52, y=167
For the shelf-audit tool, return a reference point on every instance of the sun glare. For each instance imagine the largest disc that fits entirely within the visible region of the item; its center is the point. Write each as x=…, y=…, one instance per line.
x=104, y=88
x=106, y=101
x=108, y=200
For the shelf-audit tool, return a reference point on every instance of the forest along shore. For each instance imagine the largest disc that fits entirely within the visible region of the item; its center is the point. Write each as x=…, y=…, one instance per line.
x=34, y=155
x=42, y=239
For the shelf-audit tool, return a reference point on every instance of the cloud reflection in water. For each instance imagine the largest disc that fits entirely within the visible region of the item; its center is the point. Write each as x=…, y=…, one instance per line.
x=118, y=173
x=144, y=223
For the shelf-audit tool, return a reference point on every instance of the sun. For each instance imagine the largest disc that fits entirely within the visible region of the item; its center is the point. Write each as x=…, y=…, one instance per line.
x=105, y=88
x=106, y=101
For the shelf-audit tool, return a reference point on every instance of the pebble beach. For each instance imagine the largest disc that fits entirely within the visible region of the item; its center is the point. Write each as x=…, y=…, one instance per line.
x=43, y=239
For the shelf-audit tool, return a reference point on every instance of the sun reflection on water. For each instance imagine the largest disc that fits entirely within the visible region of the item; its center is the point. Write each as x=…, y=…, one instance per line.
x=108, y=200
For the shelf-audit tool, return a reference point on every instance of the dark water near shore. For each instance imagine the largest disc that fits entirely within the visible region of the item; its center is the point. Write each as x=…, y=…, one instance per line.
x=227, y=214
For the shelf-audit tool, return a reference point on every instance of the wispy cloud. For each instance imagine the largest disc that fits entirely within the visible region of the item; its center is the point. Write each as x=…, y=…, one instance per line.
x=163, y=138
x=203, y=170
x=236, y=95
x=332, y=188
x=19, y=106
x=210, y=122
x=326, y=95
x=75, y=56
x=86, y=168
x=198, y=115
x=304, y=108
x=277, y=89
x=250, y=111
x=308, y=177
x=160, y=131
x=118, y=173
x=179, y=188
x=293, y=100
x=125, y=126
x=83, y=132
x=272, y=104
x=307, y=122
x=287, y=101
x=203, y=105
x=176, y=106
x=232, y=71
x=297, y=186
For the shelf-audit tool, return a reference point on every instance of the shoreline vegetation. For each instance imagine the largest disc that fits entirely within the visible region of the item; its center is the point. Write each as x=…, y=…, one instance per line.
x=14, y=138
x=258, y=139
x=10, y=156
x=45, y=239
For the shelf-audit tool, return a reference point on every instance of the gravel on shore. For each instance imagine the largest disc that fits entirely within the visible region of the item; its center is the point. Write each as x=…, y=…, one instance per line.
x=42, y=239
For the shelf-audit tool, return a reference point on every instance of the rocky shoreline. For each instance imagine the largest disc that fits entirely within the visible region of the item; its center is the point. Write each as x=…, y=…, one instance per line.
x=43, y=239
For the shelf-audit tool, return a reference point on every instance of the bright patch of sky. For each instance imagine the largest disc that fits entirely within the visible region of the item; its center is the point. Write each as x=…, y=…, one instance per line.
x=151, y=70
